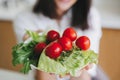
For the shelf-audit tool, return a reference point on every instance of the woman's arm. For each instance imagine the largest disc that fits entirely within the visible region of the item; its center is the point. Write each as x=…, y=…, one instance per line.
x=94, y=33
x=83, y=74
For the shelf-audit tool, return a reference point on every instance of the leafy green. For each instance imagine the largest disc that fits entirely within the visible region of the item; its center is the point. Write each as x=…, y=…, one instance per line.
x=26, y=66
x=50, y=65
x=36, y=37
x=23, y=53
x=68, y=62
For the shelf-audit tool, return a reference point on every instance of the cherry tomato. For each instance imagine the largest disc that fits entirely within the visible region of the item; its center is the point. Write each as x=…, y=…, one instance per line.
x=70, y=33
x=53, y=50
x=83, y=42
x=39, y=47
x=52, y=35
x=66, y=43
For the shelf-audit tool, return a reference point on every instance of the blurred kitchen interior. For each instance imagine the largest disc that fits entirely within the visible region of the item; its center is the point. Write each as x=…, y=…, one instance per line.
x=109, y=48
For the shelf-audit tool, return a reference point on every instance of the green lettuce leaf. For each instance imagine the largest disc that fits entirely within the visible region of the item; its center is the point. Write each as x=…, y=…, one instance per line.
x=68, y=62
x=50, y=65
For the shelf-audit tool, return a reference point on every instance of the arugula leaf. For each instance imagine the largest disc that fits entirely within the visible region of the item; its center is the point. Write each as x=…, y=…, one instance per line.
x=22, y=53
x=26, y=67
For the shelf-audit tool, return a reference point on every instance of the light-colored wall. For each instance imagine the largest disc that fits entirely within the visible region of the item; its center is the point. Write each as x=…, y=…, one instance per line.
x=109, y=12
x=109, y=50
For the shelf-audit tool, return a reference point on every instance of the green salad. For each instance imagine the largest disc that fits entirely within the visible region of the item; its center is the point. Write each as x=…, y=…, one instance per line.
x=59, y=56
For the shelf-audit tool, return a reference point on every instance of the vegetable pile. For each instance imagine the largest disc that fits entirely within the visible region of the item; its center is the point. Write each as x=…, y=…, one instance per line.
x=54, y=53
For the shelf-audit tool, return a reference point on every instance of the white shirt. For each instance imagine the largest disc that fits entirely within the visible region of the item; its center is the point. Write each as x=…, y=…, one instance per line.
x=30, y=21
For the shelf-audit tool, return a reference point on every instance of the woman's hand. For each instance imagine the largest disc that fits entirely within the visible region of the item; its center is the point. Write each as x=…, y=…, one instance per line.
x=82, y=74
x=44, y=76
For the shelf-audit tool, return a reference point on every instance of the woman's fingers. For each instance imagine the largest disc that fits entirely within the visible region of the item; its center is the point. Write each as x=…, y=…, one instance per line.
x=52, y=74
x=67, y=75
x=38, y=31
x=79, y=73
x=88, y=66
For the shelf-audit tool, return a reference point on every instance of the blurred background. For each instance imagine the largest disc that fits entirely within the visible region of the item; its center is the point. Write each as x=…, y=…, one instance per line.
x=109, y=58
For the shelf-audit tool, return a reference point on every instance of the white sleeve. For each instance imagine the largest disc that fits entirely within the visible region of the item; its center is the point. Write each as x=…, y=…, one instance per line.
x=20, y=24
x=95, y=30
x=94, y=33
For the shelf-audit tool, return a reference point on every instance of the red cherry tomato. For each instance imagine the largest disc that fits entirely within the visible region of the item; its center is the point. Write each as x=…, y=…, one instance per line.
x=39, y=47
x=83, y=42
x=66, y=43
x=52, y=35
x=53, y=50
x=70, y=33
